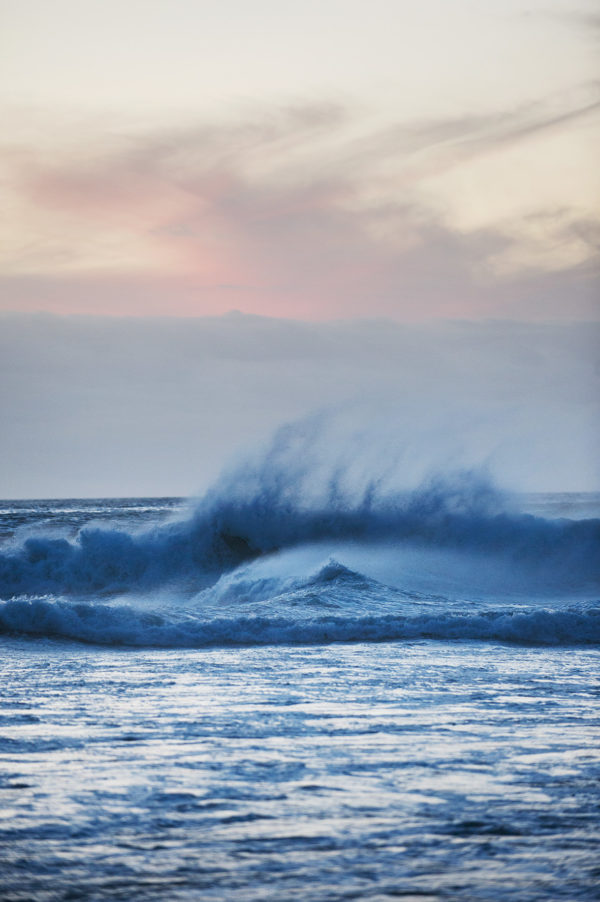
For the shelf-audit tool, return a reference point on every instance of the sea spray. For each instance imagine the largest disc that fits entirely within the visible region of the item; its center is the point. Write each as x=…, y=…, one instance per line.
x=226, y=530
x=293, y=545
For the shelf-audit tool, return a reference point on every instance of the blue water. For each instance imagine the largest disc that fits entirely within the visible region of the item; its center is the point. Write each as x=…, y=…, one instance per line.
x=273, y=695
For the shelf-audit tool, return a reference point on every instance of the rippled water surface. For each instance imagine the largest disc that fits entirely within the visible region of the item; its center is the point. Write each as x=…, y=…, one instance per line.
x=424, y=770
x=256, y=700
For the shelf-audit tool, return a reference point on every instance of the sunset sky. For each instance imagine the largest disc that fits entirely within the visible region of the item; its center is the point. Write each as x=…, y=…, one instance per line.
x=307, y=160
x=223, y=216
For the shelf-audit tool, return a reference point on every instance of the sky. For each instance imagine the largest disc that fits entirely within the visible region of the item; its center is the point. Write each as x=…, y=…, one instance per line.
x=222, y=216
x=316, y=160
x=107, y=406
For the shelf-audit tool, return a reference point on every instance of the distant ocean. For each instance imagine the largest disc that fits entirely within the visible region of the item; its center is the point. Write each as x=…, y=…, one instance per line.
x=261, y=696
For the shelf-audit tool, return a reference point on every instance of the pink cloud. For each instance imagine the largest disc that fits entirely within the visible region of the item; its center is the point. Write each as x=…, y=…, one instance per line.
x=259, y=217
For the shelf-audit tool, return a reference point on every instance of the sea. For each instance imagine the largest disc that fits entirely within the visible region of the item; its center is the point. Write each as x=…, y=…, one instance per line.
x=264, y=695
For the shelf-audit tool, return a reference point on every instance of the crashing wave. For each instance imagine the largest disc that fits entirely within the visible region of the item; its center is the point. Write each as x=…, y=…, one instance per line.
x=124, y=625
x=233, y=525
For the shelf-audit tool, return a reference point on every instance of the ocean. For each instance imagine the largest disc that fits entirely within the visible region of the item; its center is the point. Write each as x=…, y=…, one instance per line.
x=262, y=695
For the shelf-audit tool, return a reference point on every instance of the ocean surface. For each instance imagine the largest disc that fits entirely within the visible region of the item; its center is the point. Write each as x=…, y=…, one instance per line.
x=267, y=695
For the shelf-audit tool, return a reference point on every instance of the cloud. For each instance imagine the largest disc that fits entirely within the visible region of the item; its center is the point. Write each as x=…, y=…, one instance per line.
x=438, y=144
x=108, y=406
x=589, y=23
x=290, y=212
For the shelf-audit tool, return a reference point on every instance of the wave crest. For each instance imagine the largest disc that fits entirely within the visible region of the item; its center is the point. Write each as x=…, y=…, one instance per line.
x=231, y=526
x=124, y=625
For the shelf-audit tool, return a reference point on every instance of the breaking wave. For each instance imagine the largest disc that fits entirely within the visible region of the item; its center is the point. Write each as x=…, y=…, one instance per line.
x=332, y=604
x=230, y=528
x=449, y=560
x=124, y=626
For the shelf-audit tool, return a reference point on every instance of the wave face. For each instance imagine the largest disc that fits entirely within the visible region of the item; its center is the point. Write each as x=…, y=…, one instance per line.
x=225, y=532
x=264, y=558
x=333, y=604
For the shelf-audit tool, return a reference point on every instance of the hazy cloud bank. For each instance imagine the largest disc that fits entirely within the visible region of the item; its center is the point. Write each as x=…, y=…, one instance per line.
x=101, y=406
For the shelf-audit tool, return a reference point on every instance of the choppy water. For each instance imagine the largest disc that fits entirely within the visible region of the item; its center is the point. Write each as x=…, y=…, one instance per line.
x=413, y=770
x=261, y=699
